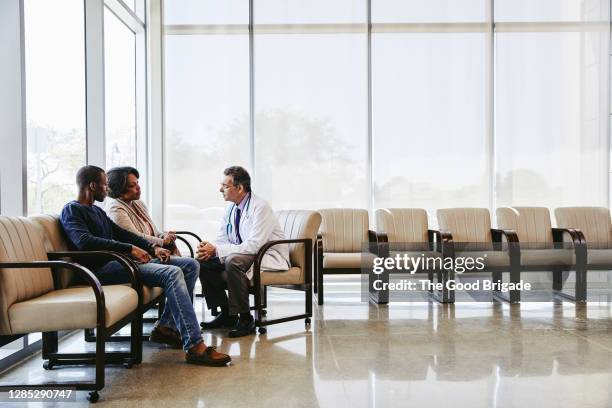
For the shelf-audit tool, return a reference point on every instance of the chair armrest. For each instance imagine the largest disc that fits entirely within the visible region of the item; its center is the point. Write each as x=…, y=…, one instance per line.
x=514, y=249
x=126, y=262
x=184, y=240
x=83, y=272
x=444, y=242
x=575, y=234
x=262, y=251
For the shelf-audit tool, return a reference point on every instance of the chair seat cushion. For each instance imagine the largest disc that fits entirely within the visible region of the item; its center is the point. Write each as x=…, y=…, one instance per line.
x=492, y=259
x=71, y=308
x=346, y=260
x=534, y=257
x=599, y=256
x=150, y=293
x=291, y=276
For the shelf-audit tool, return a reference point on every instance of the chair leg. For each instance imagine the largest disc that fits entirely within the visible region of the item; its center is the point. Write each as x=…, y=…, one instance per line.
x=320, y=287
x=136, y=339
x=515, y=277
x=581, y=285
x=100, y=361
x=557, y=279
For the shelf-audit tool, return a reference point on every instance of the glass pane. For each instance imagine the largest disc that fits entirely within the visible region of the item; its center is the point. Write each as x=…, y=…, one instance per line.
x=429, y=128
x=311, y=120
x=428, y=11
x=551, y=10
x=310, y=11
x=206, y=12
x=551, y=119
x=120, y=97
x=207, y=125
x=55, y=101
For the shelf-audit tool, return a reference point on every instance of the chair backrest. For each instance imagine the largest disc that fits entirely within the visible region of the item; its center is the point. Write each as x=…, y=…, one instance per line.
x=21, y=241
x=531, y=224
x=594, y=222
x=406, y=228
x=55, y=241
x=344, y=229
x=468, y=225
x=299, y=224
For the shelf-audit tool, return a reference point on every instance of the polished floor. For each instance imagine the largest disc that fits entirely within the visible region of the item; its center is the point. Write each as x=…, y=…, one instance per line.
x=359, y=355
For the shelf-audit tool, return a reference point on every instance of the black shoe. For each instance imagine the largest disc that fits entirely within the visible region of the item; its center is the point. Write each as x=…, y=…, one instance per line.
x=222, y=320
x=243, y=328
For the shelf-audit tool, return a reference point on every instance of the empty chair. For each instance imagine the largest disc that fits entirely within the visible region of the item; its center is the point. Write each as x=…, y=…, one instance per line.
x=470, y=235
x=31, y=303
x=404, y=231
x=343, y=233
x=541, y=245
x=300, y=228
x=593, y=225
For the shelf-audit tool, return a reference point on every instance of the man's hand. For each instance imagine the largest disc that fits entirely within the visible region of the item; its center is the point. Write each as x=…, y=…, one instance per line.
x=206, y=250
x=169, y=238
x=140, y=255
x=162, y=254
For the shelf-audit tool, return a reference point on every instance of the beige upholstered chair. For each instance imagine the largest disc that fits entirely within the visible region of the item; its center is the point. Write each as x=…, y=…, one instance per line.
x=595, y=228
x=30, y=302
x=300, y=228
x=343, y=233
x=542, y=246
x=58, y=248
x=405, y=231
x=469, y=234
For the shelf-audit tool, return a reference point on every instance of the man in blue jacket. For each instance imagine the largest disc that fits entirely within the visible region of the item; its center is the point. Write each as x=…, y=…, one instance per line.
x=89, y=229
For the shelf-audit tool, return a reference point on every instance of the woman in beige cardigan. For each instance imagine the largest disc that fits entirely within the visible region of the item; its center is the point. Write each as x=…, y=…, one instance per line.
x=125, y=208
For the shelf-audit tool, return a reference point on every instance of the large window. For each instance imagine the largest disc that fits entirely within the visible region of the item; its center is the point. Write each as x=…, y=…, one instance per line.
x=120, y=91
x=207, y=115
x=551, y=113
x=475, y=103
x=55, y=101
x=311, y=104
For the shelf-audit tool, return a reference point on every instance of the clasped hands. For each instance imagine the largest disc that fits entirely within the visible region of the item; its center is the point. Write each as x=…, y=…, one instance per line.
x=206, y=250
x=143, y=256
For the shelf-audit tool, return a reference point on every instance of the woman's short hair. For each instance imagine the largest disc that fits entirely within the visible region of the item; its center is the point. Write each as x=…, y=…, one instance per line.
x=117, y=180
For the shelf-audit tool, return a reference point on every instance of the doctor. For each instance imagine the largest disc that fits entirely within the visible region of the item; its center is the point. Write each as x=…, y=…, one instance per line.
x=247, y=224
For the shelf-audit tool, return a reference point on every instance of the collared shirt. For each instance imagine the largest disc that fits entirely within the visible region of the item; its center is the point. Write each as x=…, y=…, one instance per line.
x=240, y=207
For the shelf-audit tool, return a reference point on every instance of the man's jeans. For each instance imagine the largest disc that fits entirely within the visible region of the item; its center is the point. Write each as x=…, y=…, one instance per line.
x=178, y=278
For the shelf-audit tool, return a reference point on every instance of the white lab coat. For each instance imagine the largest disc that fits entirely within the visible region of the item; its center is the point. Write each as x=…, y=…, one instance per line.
x=258, y=225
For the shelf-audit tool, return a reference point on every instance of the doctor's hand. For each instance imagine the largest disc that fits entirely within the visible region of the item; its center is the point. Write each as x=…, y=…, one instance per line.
x=206, y=250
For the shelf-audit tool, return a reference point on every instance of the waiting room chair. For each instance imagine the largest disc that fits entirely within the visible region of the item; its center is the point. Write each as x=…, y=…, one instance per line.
x=543, y=248
x=468, y=233
x=593, y=225
x=31, y=301
x=404, y=231
x=300, y=228
x=340, y=243
x=58, y=248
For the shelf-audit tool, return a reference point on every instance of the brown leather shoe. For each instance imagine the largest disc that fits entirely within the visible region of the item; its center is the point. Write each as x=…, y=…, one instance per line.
x=166, y=335
x=209, y=357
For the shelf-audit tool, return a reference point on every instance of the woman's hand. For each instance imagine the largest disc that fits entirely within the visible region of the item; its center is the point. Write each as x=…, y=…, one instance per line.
x=169, y=238
x=162, y=254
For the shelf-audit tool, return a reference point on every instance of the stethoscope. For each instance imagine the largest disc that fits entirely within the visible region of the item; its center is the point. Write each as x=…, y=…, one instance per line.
x=229, y=227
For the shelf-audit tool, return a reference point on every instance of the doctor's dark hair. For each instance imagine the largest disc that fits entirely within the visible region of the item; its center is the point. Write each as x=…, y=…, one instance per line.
x=117, y=180
x=88, y=174
x=240, y=177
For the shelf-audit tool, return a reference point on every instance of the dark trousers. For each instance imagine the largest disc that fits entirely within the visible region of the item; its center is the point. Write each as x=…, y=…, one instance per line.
x=216, y=277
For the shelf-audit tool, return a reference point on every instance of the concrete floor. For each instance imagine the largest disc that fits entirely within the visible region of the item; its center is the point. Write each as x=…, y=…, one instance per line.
x=359, y=355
